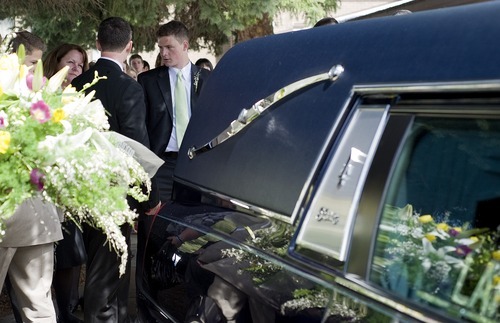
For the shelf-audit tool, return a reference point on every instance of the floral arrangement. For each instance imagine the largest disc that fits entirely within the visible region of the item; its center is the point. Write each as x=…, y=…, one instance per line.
x=340, y=307
x=429, y=258
x=54, y=144
x=273, y=239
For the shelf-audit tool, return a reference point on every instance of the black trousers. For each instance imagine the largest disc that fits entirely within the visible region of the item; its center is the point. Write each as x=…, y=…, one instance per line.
x=106, y=294
x=165, y=177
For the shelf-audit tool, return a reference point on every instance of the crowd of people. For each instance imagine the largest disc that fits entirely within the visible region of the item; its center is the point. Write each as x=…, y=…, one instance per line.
x=52, y=256
x=151, y=106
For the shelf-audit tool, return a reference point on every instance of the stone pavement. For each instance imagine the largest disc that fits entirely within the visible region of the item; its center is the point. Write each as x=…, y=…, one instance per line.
x=132, y=294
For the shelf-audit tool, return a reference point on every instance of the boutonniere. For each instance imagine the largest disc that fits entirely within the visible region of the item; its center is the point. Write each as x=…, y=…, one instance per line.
x=196, y=80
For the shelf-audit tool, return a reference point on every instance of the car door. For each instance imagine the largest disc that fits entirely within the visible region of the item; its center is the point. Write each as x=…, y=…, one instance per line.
x=406, y=216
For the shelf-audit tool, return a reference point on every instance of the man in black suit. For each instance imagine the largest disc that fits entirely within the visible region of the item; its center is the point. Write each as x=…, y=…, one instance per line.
x=163, y=105
x=106, y=293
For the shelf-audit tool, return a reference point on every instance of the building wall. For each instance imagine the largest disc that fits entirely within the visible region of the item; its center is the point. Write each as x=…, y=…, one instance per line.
x=286, y=22
x=5, y=26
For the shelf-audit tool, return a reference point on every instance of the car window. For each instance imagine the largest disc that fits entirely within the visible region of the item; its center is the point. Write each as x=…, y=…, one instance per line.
x=437, y=241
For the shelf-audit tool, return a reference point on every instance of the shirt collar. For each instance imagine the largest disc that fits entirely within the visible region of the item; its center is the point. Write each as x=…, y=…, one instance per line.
x=186, y=71
x=115, y=61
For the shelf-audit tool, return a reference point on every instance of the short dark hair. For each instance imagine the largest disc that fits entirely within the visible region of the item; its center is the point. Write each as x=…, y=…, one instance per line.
x=204, y=62
x=114, y=34
x=134, y=56
x=30, y=41
x=174, y=28
x=326, y=21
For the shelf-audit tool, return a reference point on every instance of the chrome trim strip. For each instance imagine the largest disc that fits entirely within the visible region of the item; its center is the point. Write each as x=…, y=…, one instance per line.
x=361, y=288
x=463, y=86
x=247, y=116
x=346, y=242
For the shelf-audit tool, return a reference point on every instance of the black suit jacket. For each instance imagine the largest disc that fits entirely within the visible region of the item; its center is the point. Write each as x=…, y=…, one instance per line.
x=121, y=96
x=123, y=99
x=158, y=96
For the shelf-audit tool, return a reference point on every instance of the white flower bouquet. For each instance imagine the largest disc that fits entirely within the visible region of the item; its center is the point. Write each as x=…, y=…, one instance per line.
x=54, y=143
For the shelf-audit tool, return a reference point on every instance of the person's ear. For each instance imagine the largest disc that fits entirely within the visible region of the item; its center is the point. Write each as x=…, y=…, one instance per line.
x=185, y=45
x=98, y=45
x=128, y=48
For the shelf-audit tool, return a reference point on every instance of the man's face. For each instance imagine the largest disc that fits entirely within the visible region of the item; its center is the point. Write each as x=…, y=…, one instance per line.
x=173, y=52
x=33, y=57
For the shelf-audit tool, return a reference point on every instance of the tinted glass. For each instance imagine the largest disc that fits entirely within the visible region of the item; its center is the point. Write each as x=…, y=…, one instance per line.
x=437, y=241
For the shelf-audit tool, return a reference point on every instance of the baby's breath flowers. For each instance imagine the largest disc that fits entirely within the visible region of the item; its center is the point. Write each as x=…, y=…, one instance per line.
x=55, y=143
x=429, y=258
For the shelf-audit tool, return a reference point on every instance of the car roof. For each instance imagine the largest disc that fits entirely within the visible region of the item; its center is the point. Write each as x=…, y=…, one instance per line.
x=268, y=163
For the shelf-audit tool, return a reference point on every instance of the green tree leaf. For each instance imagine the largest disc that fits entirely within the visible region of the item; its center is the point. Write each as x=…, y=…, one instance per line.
x=212, y=23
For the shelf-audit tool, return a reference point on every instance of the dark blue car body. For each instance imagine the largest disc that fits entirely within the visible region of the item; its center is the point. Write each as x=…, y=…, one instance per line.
x=300, y=211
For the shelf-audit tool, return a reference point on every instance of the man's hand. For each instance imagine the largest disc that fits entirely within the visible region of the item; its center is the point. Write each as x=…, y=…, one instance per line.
x=155, y=210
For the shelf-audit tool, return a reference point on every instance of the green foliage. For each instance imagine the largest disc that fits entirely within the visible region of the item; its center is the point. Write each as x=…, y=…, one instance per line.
x=212, y=22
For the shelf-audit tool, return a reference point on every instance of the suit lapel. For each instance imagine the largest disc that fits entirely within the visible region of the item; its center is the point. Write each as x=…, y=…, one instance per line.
x=164, y=85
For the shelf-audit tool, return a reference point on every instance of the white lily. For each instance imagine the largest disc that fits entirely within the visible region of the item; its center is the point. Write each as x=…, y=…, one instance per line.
x=55, y=147
x=441, y=253
x=440, y=233
x=38, y=77
x=54, y=83
x=91, y=112
x=9, y=73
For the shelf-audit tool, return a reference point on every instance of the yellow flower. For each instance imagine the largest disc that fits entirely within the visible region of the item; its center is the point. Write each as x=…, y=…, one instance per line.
x=442, y=226
x=425, y=218
x=458, y=229
x=496, y=255
x=496, y=280
x=58, y=115
x=474, y=238
x=4, y=141
x=430, y=237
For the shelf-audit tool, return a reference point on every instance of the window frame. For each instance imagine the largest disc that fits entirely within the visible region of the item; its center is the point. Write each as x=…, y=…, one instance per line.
x=453, y=100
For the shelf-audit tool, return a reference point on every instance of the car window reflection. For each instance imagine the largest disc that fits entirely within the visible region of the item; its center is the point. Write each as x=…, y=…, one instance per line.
x=437, y=242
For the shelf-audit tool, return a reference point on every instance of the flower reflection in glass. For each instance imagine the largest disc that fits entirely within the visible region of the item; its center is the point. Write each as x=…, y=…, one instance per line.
x=440, y=262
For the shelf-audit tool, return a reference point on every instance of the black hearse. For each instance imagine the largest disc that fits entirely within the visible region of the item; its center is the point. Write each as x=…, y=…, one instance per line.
x=342, y=173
